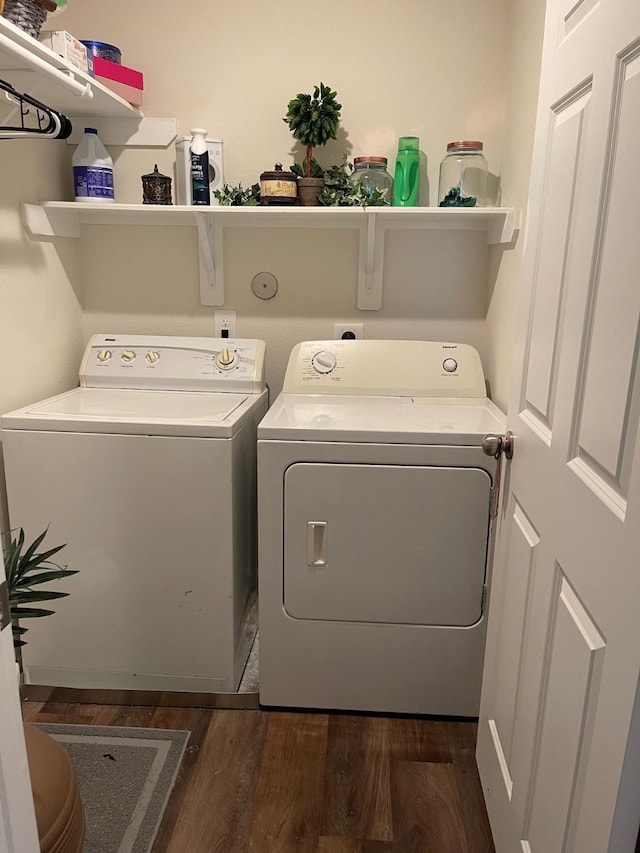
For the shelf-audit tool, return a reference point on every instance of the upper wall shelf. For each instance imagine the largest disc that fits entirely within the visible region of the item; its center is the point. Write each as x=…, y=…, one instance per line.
x=64, y=219
x=31, y=67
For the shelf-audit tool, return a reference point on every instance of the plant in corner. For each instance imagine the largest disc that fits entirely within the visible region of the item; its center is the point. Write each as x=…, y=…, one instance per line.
x=313, y=120
x=27, y=568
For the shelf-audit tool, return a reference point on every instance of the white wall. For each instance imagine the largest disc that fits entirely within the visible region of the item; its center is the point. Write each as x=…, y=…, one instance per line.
x=41, y=336
x=525, y=52
x=441, y=71
x=436, y=70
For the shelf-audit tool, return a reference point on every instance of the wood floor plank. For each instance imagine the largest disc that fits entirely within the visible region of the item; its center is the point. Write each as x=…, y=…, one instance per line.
x=275, y=782
x=195, y=721
x=413, y=739
x=426, y=810
x=138, y=716
x=349, y=845
x=213, y=815
x=69, y=713
x=462, y=738
x=30, y=711
x=357, y=799
x=286, y=813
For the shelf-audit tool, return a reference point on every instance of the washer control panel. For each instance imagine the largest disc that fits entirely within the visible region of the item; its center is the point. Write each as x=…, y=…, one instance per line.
x=165, y=363
x=385, y=368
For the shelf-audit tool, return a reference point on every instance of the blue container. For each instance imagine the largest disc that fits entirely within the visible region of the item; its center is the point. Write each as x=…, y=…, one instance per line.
x=105, y=51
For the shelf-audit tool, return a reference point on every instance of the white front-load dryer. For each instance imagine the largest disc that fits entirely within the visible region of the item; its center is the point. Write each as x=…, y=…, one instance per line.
x=146, y=473
x=375, y=519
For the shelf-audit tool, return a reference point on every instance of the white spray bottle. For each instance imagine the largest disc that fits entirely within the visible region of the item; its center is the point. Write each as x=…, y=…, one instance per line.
x=199, y=167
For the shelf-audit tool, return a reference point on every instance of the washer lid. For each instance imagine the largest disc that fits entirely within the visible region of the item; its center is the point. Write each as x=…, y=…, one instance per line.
x=105, y=410
x=393, y=420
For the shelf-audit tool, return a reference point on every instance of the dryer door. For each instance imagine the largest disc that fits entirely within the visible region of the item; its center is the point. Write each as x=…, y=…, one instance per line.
x=385, y=543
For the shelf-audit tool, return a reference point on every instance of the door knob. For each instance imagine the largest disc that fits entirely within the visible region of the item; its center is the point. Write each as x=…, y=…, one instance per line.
x=495, y=445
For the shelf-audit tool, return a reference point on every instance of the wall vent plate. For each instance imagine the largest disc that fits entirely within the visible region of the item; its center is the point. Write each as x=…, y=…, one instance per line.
x=264, y=285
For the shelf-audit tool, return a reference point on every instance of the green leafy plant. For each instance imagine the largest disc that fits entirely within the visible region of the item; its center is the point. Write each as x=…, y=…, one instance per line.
x=27, y=568
x=313, y=119
x=236, y=195
x=340, y=191
x=299, y=169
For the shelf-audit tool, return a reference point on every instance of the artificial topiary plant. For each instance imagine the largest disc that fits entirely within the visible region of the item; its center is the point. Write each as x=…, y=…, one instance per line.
x=299, y=169
x=313, y=120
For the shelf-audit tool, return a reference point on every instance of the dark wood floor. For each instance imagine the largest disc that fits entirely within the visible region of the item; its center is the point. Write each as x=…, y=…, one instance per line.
x=280, y=782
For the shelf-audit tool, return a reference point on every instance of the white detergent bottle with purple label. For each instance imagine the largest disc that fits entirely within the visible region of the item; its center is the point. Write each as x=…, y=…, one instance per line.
x=92, y=169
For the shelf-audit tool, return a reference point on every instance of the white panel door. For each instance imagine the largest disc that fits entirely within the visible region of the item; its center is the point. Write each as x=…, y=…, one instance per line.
x=559, y=733
x=18, y=833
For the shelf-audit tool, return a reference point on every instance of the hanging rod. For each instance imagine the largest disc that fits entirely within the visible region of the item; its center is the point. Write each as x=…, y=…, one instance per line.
x=65, y=78
x=36, y=119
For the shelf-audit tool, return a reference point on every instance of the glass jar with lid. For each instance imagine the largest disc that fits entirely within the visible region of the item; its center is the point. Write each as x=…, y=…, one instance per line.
x=372, y=171
x=463, y=176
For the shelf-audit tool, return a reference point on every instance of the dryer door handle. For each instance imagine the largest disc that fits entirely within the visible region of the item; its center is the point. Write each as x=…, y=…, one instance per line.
x=316, y=544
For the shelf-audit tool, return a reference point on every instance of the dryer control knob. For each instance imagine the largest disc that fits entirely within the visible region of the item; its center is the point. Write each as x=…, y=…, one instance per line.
x=324, y=361
x=152, y=356
x=128, y=356
x=104, y=355
x=226, y=359
x=450, y=365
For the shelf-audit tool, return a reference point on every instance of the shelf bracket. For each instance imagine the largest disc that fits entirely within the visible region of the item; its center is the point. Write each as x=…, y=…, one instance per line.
x=132, y=131
x=210, y=258
x=501, y=230
x=49, y=222
x=370, y=264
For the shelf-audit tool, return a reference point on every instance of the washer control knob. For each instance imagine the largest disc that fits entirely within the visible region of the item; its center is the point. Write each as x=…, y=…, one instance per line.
x=450, y=365
x=128, y=356
x=226, y=359
x=152, y=356
x=104, y=355
x=324, y=361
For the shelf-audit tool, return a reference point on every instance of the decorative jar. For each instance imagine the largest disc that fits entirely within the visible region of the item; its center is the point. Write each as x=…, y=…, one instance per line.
x=372, y=172
x=463, y=176
x=156, y=188
x=278, y=186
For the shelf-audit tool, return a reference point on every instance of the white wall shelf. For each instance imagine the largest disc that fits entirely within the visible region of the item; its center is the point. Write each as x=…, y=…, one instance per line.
x=65, y=219
x=31, y=67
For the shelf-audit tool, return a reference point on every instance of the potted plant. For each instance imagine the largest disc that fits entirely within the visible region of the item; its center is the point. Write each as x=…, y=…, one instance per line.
x=56, y=796
x=26, y=568
x=313, y=120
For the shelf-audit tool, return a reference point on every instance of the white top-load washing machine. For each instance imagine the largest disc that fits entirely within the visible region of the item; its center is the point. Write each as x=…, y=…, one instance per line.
x=374, y=528
x=147, y=473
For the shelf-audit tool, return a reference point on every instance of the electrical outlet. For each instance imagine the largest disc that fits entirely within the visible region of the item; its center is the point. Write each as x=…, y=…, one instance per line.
x=348, y=331
x=225, y=324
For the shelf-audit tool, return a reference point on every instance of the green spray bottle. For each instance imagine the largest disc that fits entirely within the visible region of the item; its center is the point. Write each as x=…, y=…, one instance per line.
x=406, y=182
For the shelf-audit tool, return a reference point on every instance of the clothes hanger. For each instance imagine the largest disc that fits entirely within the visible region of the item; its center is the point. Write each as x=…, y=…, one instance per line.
x=36, y=119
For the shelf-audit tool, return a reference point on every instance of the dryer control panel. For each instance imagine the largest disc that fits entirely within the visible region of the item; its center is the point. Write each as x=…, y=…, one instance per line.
x=148, y=362
x=385, y=368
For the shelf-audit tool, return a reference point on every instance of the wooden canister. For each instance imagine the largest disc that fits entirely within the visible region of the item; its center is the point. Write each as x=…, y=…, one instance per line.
x=278, y=187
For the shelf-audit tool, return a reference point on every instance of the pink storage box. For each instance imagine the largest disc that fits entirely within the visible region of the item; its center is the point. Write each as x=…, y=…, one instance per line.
x=118, y=73
x=129, y=93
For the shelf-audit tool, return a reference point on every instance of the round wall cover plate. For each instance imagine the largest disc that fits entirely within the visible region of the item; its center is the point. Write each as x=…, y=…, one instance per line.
x=264, y=285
